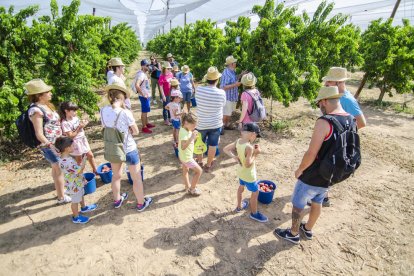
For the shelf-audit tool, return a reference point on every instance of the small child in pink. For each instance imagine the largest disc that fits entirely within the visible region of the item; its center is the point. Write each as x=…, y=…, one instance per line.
x=175, y=110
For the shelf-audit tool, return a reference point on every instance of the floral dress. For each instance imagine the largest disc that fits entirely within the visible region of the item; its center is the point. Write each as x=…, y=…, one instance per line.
x=74, y=180
x=52, y=128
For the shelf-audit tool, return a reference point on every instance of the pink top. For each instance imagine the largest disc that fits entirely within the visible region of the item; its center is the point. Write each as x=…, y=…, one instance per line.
x=164, y=81
x=246, y=97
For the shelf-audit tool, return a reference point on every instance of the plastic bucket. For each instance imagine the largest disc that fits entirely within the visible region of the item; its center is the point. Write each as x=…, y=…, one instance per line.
x=193, y=102
x=90, y=187
x=266, y=197
x=106, y=177
x=130, y=178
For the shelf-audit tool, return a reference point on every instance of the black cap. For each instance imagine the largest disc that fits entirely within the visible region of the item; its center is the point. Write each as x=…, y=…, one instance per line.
x=144, y=62
x=252, y=127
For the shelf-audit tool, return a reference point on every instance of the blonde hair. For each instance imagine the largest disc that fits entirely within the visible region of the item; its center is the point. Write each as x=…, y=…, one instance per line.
x=189, y=118
x=115, y=95
x=36, y=97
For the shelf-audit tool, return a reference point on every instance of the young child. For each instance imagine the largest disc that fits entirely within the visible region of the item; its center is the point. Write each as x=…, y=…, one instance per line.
x=187, y=135
x=245, y=156
x=72, y=127
x=175, y=110
x=74, y=180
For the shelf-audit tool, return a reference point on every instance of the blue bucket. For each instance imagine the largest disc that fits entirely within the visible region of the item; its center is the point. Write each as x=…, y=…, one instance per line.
x=266, y=197
x=90, y=187
x=130, y=178
x=193, y=102
x=106, y=177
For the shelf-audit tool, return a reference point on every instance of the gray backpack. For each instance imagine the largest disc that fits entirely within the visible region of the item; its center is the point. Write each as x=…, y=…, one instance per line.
x=113, y=142
x=258, y=112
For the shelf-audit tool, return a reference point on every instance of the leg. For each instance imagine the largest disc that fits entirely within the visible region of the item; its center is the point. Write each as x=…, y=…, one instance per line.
x=296, y=220
x=253, y=202
x=138, y=186
x=199, y=158
x=75, y=209
x=315, y=212
x=91, y=160
x=154, y=83
x=185, y=177
x=78, y=159
x=144, y=119
x=197, y=173
x=240, y=191
x=58, y=180
x=210, y=155
x=188, y=106
x=82, y=203
x=175, y=135
x=116, y=180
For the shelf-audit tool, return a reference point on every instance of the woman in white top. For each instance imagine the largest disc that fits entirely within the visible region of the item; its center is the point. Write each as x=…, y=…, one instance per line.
x=117, y=93
x=117, y=75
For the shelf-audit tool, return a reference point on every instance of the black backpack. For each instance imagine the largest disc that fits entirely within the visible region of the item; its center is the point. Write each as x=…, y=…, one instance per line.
x=344, y=157
x=25, y=127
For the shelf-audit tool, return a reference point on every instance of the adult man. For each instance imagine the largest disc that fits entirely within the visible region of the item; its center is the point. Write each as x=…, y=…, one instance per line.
x=210, y=103
x=141, y=84
x=171, y=60
x=155, y=71
x=118, y=68
x=311, y=185
x=230, y=83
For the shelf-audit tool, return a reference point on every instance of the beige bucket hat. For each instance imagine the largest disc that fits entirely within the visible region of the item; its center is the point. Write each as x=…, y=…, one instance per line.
x=185, y=69
x=248, y=79
x=169, y=55
x=212, y=74
x=336, y=74
x=116, y=62
x=174, y=82
x=118, y=86
x=37, y=86
x=166, y=64
x=230, y=60
x=328, y=92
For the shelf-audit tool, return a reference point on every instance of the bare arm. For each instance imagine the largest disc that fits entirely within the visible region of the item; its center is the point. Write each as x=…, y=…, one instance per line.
x=186, y=143
x=251, y=154
x=360, y=121
x=37, y=121
x=230, y=86
x=134, y=129
x=230, y=150
x=244, y=111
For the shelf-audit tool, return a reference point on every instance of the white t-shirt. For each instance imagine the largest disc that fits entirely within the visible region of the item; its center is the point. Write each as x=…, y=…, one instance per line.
x=109, y=75
x=174, y=108
x=126, y=119
x=115, y=78
x=142, y=78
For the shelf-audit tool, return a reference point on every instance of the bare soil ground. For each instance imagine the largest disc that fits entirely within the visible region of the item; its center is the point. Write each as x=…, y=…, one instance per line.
x=367, y=231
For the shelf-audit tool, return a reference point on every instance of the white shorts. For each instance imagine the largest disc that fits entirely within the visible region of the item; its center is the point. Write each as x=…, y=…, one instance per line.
x=77, y=198
x=229, y=108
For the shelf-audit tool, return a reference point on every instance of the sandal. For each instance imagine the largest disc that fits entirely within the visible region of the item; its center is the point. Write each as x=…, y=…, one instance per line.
x=195, y=192
x=244, y=205
x=207, y=169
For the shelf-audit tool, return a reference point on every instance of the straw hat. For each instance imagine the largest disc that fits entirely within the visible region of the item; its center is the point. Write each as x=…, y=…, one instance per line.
x=169, y=55
x=248, y=79
x=177, y=93
x=176, y=69
x=166, y=64
x=116, y=62
x=185, y=69
x=328, y=92
x=37, y=86
x=212, y=74
x=230, y=60
x=174, y=82
x=336, y=74
x=118, y=86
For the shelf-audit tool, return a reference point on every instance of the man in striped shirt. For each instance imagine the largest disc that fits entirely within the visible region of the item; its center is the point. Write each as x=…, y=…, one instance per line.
x=210, y=103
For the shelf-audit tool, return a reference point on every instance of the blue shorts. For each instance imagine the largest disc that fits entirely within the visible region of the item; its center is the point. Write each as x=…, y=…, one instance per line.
x=145, y=104
x=304, y=192
x=176, y=123
x=251, y=186
x=50, y=155
x=132, y=158
x=212, y=136
x=186, y=96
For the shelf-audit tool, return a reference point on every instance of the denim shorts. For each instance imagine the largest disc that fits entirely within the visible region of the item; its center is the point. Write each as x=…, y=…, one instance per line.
x=304, y=192
x=186, y=96
x=145, y=104
x=132, y=158
x=251, y=186
x=212, y=136
x=176, y=123
x=50, y=155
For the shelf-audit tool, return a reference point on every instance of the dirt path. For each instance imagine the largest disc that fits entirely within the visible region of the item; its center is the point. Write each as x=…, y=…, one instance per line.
x=367, y=231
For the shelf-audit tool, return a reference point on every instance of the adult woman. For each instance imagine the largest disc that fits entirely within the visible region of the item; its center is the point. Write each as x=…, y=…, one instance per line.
x=165, y=86
x=118, y=68
x=115, y=115
x=249, y=91
x=46, y=123
x=187, y=85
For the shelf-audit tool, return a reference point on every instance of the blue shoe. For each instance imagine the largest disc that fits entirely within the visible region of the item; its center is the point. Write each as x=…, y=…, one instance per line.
x=244, y=205
x=259, y=217
x=307, y=233
x=89, y=208
x=147, y=202
x=80, y=219
x=287, y=235
x=118, y=203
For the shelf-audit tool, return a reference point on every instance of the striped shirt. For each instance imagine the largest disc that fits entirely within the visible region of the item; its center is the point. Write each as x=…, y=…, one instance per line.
x=229, y=77
x=210, y=102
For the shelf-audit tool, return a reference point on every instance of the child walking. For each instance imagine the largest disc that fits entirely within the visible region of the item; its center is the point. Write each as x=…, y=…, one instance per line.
x=74, y=180
x=175, y=110
x=245, y=156
x=72, y=127
x=187, y=135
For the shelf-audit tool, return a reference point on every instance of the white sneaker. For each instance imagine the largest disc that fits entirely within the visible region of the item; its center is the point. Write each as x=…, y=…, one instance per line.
x=65, y=199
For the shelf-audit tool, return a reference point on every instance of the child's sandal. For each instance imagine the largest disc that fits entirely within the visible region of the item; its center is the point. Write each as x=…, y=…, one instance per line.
x=195, y=192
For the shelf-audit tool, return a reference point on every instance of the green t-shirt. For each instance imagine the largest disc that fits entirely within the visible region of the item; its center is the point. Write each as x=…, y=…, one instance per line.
x=187, y=154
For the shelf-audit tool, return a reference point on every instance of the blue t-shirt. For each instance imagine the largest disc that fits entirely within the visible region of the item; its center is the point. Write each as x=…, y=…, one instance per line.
x=185, y=82
x=350, y=104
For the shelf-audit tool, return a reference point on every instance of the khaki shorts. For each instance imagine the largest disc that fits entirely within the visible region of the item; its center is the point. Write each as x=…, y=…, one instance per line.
x=229, y=108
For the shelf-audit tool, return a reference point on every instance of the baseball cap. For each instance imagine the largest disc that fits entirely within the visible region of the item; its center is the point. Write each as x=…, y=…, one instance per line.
x=144, y=62
x=252, y=127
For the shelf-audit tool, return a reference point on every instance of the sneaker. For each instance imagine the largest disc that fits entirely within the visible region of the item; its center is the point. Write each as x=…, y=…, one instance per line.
x=287, y=235
x=154, y=102
x=146, y=130
x=118, y=203
x=244, y=205
x=307, y=233
x=150, y=125
x=147, y=202
x=259, y=217
x=89, y=208
x=80, y=219
x=195, y=192
x=65, y=199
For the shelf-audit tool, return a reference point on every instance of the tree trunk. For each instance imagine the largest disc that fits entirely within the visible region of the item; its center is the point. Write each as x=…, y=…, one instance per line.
x=361, y=85
x=271, y=109
x=381, y=95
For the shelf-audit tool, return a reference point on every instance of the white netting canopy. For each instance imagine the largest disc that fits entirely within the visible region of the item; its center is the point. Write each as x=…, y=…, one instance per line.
x=150, y=17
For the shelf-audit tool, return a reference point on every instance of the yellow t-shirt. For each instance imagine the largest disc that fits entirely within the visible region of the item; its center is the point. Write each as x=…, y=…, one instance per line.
x=187, y=154
x=244, y=173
